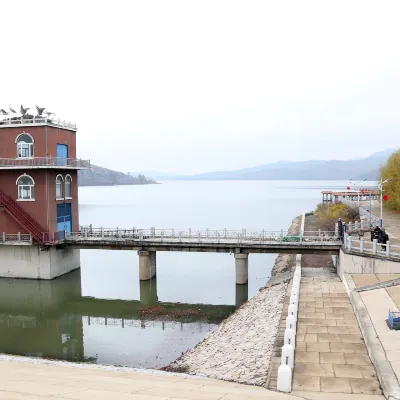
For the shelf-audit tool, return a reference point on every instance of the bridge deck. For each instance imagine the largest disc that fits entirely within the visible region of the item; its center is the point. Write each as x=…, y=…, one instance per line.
x=306, y=246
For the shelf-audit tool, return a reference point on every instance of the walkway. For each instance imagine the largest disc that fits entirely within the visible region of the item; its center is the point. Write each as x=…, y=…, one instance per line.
x=378, y=302
x=331, y=357
x=391, y=222
x=30, y=381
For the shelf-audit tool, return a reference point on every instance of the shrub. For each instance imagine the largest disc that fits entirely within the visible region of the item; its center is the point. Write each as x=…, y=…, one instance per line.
x=392, y=171
x=328, y=214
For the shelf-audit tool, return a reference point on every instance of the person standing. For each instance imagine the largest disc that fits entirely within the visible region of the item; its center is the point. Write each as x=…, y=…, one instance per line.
x=384, y=238
x=340, y=229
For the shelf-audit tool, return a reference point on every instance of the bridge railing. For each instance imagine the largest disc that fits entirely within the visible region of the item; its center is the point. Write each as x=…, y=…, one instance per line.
x=15, y=238
x=372, y=247
x=202, y=235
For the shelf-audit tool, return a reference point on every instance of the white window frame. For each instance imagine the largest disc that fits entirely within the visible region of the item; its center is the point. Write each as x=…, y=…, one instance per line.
x=61, y=185
x=70, y=187
x=31, y=197
x=21, y=144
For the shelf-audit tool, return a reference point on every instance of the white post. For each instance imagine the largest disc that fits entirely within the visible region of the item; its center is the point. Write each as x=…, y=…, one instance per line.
x=140, y=235
x=290, y=338
x=19, y=236
x=291, y=323
x=293, y=311
x=4, y=237
x=153, y=231
x=284, y=383
x=362, y=245
x=349, y=243
x=374, y=246
x=190, y=232
x=173, y=232
x=387, y=249
x=102, y=232
x=336, y=229
x=281, y=235
x=287, y=357
x=350, y=227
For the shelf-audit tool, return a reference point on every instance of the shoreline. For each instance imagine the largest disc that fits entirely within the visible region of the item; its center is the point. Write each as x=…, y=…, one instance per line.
x=241, y=348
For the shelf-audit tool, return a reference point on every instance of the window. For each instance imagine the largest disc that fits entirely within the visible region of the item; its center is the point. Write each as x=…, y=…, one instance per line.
x=68, y=182
x=24, y=145
x=59, y=187
x=26, y=188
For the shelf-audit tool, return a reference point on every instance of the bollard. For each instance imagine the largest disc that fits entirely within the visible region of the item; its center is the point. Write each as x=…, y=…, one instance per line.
x=284, y=383
x=287, y=357
x=349, y=243
x=294, y=300
x=388, y=249
x=291, y=323
x=292, y=310
x=374, y=246
x=290, y=338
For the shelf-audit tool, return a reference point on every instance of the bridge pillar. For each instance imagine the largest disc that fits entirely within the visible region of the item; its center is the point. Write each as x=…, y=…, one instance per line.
x=147, y=264
x=242, y=268
x=242, y=294
x=148, y=292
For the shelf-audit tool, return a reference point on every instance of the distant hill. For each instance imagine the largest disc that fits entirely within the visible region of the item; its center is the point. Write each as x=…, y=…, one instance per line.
x=364, y=168
x=99, y=176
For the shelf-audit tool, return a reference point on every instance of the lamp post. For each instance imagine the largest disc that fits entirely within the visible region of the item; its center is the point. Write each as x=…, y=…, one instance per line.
x=380, y=186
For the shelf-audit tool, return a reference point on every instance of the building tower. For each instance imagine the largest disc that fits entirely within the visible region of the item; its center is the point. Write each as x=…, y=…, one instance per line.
x=38, y=196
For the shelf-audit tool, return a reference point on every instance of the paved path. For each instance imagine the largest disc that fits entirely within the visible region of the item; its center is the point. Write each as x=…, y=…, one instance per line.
x=29, y=381
x=331, y=359
x=378, y=302
x=391, y=222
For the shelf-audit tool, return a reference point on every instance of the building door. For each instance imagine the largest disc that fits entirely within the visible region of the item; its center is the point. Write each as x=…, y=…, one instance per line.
x=64, y=218
x=62, y=154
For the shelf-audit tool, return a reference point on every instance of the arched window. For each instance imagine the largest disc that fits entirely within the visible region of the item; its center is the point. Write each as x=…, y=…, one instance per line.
x=59, y=187
x=26, y=188
x=24, y=145
x=68, y=182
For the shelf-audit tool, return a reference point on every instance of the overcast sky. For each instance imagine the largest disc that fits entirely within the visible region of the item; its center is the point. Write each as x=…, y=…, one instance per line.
x=195, y=86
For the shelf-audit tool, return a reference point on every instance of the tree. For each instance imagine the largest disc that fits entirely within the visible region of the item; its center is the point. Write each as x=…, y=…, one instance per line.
x=391, y=170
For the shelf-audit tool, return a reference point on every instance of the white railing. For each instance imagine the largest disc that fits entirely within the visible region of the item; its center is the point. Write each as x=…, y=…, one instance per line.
x=37, y=121
x=44, y=162
x=15, y=238
x=123, y=322
x=200, y=236
x=372, y=247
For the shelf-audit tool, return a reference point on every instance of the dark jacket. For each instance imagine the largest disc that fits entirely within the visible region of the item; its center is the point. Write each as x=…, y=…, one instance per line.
x=385, y=238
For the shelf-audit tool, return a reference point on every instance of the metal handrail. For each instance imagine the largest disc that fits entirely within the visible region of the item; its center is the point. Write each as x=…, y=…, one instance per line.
x=200, y=235
x=44, y=162
x=15, y=237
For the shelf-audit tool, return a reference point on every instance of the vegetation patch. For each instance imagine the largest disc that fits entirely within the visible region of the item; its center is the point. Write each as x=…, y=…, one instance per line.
x=328, y=214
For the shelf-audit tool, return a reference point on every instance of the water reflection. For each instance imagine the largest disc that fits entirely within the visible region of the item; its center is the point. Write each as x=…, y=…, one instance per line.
x=52, y=319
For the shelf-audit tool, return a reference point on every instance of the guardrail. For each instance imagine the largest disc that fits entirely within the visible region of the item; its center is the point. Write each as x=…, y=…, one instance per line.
x=44, y=162
x=15, y=238
x=37, y=121
x=201, y=236
x=372, y=247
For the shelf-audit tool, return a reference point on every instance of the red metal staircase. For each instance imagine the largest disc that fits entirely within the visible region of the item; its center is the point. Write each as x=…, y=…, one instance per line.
x=22, y=217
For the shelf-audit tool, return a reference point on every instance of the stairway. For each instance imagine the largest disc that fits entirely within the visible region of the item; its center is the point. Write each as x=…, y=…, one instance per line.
x=22, y=217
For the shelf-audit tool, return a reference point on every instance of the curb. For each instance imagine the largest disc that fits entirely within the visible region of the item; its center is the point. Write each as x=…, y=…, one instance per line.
x=387, y=377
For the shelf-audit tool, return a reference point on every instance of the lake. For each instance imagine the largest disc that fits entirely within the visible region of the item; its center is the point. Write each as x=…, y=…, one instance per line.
x=103, y=314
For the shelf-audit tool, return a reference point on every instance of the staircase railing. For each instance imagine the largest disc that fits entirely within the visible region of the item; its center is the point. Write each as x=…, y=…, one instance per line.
x=22, y=217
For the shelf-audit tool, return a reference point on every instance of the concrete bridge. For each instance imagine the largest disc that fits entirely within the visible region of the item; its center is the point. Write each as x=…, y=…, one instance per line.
x=240, y=243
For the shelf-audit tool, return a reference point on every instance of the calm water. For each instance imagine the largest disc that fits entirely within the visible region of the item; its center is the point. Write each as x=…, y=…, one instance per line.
x=103, y=314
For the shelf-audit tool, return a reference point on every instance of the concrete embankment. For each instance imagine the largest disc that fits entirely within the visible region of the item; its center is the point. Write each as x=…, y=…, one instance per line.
x=240, y=349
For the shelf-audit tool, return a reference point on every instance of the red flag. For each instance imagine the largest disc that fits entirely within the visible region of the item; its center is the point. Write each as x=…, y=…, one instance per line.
x=362, y=192
x=386, y=197
x=348, y=188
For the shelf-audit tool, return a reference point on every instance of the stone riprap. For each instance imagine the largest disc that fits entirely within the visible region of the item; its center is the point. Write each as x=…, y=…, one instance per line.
x=240, y=348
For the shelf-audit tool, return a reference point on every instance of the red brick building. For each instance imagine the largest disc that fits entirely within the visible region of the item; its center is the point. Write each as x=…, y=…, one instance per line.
x=38, y=177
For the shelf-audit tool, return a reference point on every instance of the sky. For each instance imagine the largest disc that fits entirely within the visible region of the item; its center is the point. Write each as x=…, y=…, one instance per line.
x=195, y=86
